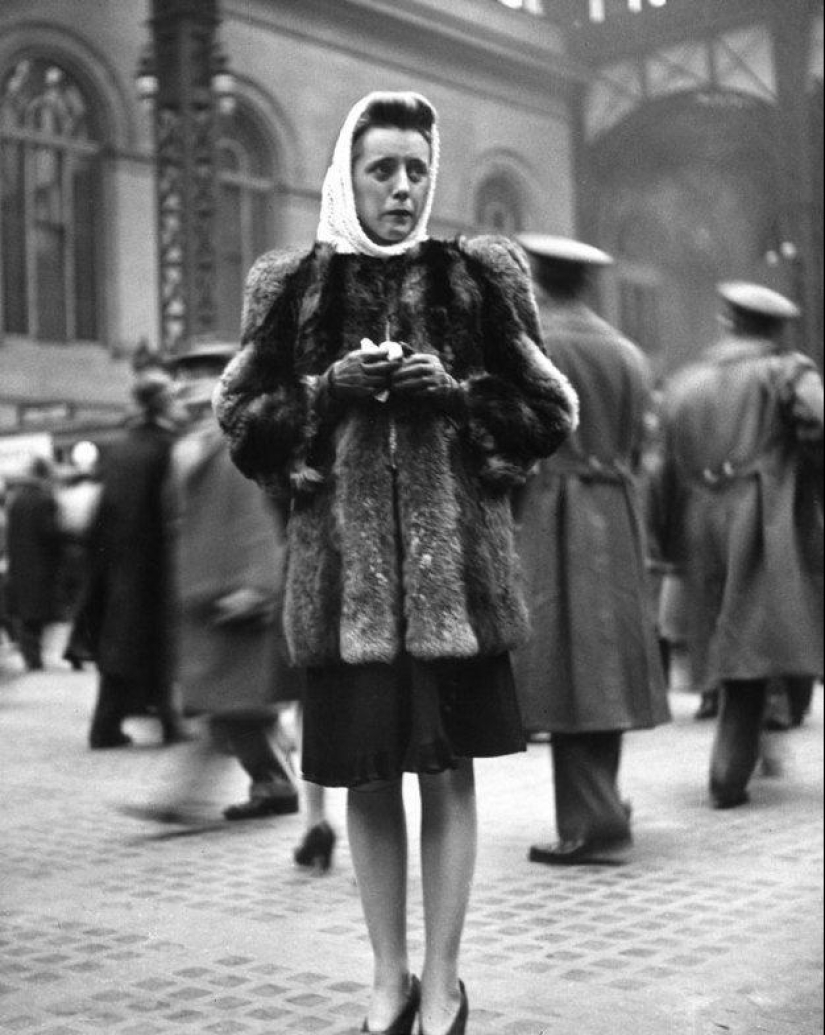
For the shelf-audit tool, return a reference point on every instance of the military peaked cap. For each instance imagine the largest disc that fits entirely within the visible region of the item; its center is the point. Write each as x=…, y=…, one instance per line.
x=755, y=298
x=563, y=249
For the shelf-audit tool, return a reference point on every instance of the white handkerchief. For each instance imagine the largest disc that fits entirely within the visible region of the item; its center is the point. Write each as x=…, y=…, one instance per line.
x=393, y=350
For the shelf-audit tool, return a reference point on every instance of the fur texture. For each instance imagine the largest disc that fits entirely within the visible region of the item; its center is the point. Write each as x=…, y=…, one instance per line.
x=412, y=550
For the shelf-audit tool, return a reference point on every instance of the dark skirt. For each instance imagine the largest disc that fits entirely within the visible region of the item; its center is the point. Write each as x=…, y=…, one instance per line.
x=375, y=722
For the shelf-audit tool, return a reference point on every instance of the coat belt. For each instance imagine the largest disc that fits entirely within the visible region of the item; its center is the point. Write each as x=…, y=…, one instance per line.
x=592, y=469
x=725, y=474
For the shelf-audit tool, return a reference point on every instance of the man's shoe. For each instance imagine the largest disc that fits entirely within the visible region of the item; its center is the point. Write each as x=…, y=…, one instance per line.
x=258, y=808
x=119, y=739
x=733, y=801
x=595, y=852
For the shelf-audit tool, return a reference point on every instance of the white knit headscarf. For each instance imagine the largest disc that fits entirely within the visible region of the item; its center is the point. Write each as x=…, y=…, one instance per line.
x=339, y=224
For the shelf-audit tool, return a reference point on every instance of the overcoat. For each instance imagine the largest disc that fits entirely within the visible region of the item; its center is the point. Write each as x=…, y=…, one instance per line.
x=227, y=537
x=739, y=511
x=592, y=663
x=33, y=545
x=125, y=614
x=367, y=482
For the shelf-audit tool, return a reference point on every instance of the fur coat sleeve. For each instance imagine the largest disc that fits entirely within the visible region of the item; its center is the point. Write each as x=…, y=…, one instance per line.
x=258, y=402
x=520, y=408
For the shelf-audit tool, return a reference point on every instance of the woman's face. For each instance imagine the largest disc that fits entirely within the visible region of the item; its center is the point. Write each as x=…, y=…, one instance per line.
x=390, y=181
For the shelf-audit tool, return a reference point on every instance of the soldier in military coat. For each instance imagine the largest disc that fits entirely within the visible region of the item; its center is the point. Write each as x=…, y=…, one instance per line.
x=740, y=514
x=592, y=669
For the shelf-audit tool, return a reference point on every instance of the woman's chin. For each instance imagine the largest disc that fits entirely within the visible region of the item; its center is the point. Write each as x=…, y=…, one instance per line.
x=388, y=236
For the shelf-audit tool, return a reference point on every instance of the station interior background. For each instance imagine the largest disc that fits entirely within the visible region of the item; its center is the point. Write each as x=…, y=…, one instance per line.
x=682, y=136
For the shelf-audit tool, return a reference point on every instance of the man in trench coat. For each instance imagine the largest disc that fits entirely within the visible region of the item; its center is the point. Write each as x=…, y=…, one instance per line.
x=740, y=514
x=592, y=669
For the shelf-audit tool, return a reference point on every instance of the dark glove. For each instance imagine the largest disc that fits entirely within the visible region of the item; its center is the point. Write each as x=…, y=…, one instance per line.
x=360, y=375
x=422, y=375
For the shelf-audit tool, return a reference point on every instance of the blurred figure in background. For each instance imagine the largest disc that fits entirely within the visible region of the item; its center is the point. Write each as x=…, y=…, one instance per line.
x=664, y=586
x=227, y=542
x=741, y=517
x=125, y=618
x=77, y=501
x=592, y=669
x=5, y=619
x=33, y=559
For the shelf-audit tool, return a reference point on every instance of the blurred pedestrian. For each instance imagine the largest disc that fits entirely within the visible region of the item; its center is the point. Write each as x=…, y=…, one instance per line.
x=230, y=666
x=5, y=618
x=401, y=598
x=77, y=501
x=33, y=543
x=592, y=669
x=125, y=615
x=743, y=520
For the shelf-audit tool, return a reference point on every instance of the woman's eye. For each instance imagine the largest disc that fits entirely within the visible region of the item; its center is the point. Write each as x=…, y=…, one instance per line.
x=416, y=173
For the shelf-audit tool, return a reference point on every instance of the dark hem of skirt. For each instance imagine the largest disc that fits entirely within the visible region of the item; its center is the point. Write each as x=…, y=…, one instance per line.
x=372, y=723
x=429, y=760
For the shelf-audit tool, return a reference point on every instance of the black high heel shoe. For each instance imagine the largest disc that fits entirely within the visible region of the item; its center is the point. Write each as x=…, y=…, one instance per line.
x=315, y=851
x=459, y=1025
x=403, y=1023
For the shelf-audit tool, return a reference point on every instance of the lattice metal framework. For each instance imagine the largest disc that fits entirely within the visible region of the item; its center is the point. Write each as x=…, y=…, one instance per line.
x=740, y=60
x=184, y=36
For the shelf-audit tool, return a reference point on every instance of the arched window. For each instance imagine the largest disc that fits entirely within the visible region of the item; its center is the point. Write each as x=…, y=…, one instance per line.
x=49, y=205
x=499, y=205
x=244, y=219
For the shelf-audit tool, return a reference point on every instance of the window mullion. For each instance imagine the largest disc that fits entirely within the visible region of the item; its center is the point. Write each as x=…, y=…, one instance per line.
x=69, y=229
x=30, y=240
x=2, y=254
x=246, y=229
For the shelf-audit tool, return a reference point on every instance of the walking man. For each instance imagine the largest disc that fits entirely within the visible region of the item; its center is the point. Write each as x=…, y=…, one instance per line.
x=33, y=558
x=592, y=668
x=124, y=615
x=741, y=516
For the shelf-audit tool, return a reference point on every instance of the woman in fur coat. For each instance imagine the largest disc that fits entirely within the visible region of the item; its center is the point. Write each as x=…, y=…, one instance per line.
x=394, y=389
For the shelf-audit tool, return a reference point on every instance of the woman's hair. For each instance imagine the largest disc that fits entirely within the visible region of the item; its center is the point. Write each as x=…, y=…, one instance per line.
x=397, y=110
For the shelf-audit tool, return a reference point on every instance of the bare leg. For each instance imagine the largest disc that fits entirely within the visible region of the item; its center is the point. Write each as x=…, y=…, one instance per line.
x=449, y=835
x=377, y=828
x=314, y=804
x=315, y=811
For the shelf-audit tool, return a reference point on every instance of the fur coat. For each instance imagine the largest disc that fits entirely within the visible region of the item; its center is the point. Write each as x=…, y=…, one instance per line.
x=400, y=533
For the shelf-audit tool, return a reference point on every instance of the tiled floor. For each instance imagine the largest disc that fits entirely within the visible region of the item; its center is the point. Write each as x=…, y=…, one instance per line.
x=110, y=924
